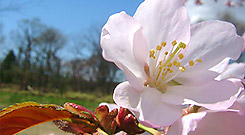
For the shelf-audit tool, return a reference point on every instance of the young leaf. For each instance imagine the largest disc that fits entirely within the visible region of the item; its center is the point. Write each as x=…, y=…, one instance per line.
x=18, y=117
x=106, y=118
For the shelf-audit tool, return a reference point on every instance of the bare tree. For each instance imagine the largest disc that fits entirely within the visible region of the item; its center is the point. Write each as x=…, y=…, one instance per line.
x=103, y=72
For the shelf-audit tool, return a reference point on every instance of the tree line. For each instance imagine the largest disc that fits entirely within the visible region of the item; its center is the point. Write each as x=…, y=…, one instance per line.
x=35, y=63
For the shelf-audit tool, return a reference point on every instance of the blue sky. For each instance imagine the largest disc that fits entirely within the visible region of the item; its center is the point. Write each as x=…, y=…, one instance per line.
x=70, y=16
x=73, y=17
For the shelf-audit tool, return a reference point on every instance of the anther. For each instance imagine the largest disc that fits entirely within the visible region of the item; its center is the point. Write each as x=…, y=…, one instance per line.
x=174, y=43
x=159, y=47
x=170, y=64
x=160, y=63
x=182, y=69
x=198, y=60
x=152, y=52
x=163, y=44
x=191, y=63
x=178, y=64
x=166, y=53
x=175, y=62
x=181, y=56
x=182, y=45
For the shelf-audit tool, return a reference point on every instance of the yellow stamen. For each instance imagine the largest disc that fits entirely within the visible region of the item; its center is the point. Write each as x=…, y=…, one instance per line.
x=171, y=56
x=174, y=43
x=152, y=52
x=182, y=69
x=175, y=62
x=191, y=63
x=159, y=47
x=181, y=56
x=160, y=63
x=178, y=64
x=198, y=60
x=182, y=45
x=163, y=44
x=170, y=64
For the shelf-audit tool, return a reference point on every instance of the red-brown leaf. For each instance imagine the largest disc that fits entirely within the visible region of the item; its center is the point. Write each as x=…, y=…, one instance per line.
x=18, y=117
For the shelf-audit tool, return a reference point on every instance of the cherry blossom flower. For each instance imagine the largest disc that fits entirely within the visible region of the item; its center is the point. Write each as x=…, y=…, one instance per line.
x=167, y=61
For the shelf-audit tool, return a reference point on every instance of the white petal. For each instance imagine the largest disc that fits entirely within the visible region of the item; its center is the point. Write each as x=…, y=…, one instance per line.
x=211, y=41
x=156, y=112
x=204, y=95
x=236, y=70
x=126, y=96
x=110, y=106
x=146, y=105
x=120, y=36
x=221, y=67
x=166, y=20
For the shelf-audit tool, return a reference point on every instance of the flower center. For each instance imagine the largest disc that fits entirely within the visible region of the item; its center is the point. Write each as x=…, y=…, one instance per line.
x=164, y=66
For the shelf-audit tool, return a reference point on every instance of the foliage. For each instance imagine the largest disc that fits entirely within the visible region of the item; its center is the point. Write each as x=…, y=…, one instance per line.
x=36, y=63
x=70, y=118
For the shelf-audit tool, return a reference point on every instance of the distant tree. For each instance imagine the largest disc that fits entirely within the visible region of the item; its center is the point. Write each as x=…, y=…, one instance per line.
x=26, y=40
x=38, y=47
x=50, y=41
x=103, y=72
x=7, y=72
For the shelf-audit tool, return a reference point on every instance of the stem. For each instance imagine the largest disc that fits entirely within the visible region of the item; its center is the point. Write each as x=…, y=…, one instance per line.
x=149, y=130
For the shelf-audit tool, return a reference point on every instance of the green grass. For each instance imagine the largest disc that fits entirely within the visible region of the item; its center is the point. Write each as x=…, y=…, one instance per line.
x=10, y=95
x=88, y=100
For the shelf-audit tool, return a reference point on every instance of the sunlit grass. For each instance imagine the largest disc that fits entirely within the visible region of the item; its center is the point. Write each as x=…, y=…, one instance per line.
x=9, y=96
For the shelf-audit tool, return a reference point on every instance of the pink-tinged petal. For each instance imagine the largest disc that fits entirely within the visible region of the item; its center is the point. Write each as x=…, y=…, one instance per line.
x=119, y=37
x=110, y=106
x=140, y=47
x=236, y=70
x=164, y=20
x=126, y=96
x=186, y=124
x=241, y=101
x=240, y=104
x=146, y=105
x=221, y=123
x=206, y=95
x=210, y=123
x=155, y=112
x=211, y=41
x=221, y=67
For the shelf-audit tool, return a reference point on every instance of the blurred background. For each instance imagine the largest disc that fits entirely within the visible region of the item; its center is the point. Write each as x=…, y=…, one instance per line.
x=53, y=47
x=50, y=49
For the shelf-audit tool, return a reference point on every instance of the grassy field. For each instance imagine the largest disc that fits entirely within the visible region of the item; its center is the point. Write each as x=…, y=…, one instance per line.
x=9, y=96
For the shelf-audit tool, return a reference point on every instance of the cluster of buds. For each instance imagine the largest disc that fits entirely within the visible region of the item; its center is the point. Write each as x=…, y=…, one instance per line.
x=102, y=121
